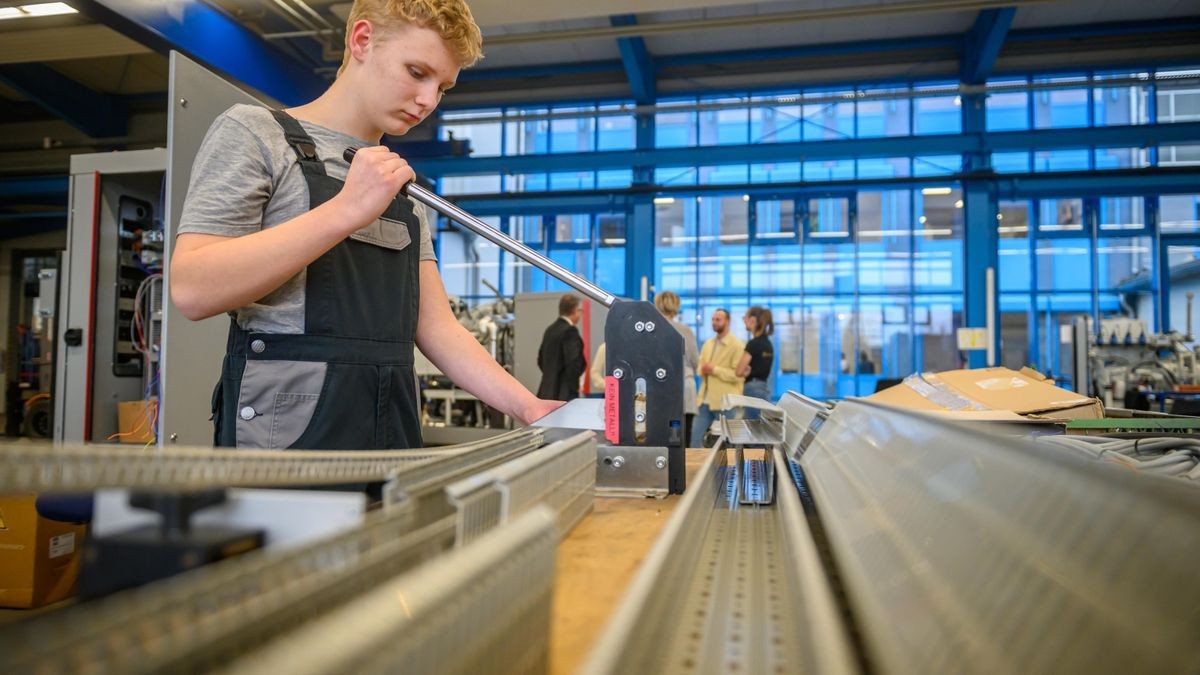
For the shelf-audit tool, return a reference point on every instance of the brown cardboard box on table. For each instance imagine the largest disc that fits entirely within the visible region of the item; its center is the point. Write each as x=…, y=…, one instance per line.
x=39, y=558
x=990, y=393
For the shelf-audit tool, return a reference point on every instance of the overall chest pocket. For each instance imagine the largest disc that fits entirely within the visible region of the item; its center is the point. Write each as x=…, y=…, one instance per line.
x=385, y=232
x=277, y=402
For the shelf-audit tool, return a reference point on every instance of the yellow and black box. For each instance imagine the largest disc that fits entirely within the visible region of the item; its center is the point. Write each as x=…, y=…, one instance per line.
x=39, y=557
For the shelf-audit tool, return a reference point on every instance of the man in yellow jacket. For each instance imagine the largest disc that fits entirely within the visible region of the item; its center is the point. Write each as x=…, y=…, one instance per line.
x=718, y=365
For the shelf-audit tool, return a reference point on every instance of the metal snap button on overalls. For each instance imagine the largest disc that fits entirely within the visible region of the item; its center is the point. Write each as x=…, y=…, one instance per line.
x=258, y=346
x=248, y=413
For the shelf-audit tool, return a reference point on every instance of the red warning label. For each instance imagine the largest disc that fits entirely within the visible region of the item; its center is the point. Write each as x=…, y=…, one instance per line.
x=612, y=409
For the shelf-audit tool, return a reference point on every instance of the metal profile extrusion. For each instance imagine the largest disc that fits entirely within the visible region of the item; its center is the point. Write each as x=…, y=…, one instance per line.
x=482, y=608
x=83, y=468
x=999, y=555
x=206, y=617
x=783, y=619
x=561, y=475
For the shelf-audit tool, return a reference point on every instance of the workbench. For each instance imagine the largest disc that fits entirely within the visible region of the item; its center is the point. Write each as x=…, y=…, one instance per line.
x=596, y=563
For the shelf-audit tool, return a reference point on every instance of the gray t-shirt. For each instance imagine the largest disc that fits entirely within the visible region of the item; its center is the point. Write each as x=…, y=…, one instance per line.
x=246, y=178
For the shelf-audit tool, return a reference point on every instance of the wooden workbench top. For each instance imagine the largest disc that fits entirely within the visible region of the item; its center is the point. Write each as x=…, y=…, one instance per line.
x=596, y=563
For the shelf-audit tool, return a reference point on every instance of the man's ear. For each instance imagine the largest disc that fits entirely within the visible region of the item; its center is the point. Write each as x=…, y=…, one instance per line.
x=362, y=34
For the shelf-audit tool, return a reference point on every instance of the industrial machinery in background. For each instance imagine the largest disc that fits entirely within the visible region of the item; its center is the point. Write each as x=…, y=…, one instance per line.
x=1132, y=368
x=443, y=404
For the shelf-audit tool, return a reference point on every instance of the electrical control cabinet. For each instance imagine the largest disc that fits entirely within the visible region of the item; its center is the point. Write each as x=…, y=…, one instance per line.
x=115, y=198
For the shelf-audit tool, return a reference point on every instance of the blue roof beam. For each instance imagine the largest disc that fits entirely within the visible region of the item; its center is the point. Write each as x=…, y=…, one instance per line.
x=213, y=38
x=95, y=114
x=981, y=44
x=639, y=65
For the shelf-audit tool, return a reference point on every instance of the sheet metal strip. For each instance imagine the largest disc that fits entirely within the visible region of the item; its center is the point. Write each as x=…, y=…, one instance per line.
x=966, y=551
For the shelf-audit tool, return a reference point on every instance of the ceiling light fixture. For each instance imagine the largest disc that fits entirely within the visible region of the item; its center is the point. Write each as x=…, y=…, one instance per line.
x=37, y=9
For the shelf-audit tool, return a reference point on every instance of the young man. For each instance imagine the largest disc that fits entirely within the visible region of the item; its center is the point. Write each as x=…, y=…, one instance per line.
x=328, y=274
x=560, y=357
x=719, y=360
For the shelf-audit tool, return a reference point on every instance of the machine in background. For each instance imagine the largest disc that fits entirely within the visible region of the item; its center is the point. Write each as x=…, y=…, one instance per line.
x=1127, y=366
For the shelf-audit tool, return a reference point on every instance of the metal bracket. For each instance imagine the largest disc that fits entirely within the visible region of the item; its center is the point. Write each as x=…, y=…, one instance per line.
x=632, y=471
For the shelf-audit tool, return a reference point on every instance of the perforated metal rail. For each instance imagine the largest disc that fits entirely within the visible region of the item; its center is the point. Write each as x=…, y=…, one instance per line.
x=727, y=588
x=561, y=475
x=212, y=616
x=34, y=468
x=933, y=547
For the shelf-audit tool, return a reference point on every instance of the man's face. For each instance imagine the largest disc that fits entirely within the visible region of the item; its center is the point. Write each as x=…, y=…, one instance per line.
x=577, y=314
x=411, y=68
x=720, y=321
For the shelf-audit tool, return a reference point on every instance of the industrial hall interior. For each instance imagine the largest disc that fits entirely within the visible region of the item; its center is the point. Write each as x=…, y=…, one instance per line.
x=847, y=337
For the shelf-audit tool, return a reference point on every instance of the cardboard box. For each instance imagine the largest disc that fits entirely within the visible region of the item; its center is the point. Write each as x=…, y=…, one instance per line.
x=135, y=421
x=39, y=558
x=980, y=392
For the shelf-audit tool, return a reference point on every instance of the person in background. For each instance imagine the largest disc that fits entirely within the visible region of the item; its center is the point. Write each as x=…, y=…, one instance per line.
x=596, y=371
x=865, y=365
x=667, y=303
x=561, y=357
x=756, y=363
x=719, y=359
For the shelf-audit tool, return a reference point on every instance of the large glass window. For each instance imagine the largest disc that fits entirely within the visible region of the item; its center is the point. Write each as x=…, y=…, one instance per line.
x=1007, y=110
x=774, y=123
x=725, y=125
x=485, y=137
x=675, y=129
x=828, y=117
x=937, y=114
x=865, y=275
x=1179, y=214
x=1123, y=103
x=1057, y=105
x=1178, y=95
x=884, y=112
x=615, y=132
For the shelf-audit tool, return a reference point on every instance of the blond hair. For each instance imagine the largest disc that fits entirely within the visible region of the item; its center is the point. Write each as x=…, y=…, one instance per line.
x=450, y=18
x=667, y=302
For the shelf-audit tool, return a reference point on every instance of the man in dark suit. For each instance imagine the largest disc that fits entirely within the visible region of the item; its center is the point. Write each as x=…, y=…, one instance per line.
x=561, y=356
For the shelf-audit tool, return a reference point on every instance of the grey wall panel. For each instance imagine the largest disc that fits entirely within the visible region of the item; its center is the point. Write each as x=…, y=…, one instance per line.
x=71, y=376
x=192, y=350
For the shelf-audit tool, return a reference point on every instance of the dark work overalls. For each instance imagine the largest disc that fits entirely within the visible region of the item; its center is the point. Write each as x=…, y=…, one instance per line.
x=347, y=382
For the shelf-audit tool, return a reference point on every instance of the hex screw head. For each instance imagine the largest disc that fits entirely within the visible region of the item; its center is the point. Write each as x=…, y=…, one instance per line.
x=640, y=417
x=618, y=461
x=661, y=373
x=639, y=326
x=618, y=373
x=649, y=326
x=660, y=462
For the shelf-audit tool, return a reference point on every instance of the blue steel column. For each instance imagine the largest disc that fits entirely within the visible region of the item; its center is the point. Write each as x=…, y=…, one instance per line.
x=980, y=240
x=1162, y=270
x=639, y=226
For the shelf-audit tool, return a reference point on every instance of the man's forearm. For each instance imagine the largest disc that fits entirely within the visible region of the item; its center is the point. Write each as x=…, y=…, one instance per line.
x=211, y=275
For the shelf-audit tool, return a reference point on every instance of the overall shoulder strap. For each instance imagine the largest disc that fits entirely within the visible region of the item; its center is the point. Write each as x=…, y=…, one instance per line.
x=300, y=142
